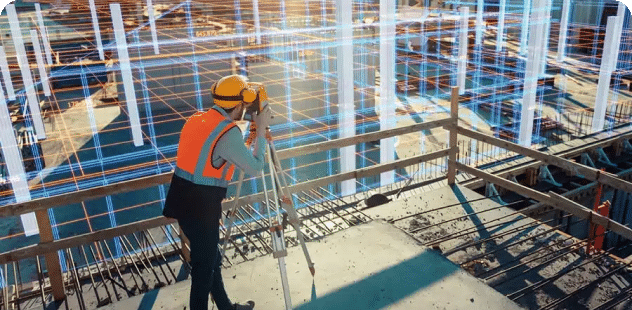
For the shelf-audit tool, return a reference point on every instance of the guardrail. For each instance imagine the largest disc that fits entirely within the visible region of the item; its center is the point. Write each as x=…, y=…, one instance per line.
x=48, y=247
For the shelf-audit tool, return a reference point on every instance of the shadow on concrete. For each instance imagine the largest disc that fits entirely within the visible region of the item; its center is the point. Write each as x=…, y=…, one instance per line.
x=387, y=287
x=149, y=299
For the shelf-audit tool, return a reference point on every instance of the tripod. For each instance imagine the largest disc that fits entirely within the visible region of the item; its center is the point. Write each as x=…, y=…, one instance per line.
x=281, y=200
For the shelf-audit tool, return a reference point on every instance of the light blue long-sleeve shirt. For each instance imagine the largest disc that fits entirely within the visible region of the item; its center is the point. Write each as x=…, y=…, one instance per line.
x=231, y=148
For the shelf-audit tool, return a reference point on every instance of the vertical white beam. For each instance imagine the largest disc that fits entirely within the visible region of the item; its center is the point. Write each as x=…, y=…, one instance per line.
x=97, y=31
x=6, y=74
x=40, y=62
x=255, y=12
x=387, y=85
x=605, y=72
x=126, y=73
x=546, y=30
x=531, y=75
x=524, y=32
x=13, y=160
x=31, y=96
x=463, y=42
x=561, y=45
x=44, y=32
x=619, y=31
x=500, y=35
x=479, y=21
x=346, y=108
x=152, y=26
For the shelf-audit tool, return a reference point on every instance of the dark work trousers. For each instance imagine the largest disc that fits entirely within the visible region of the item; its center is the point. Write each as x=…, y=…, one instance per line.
x=206, y=277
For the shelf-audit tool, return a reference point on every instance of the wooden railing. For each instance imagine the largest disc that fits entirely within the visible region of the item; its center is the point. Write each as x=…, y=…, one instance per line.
x=49, y=247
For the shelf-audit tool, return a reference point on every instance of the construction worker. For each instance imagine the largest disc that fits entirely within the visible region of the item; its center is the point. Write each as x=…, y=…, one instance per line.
x=211, y=146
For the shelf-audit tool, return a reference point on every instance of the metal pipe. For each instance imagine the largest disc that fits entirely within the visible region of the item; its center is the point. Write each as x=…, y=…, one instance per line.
x=77, y=283
x=151, y=267
x=133, y=263
x=41, y=281
x=127, y=290
x=147, y=232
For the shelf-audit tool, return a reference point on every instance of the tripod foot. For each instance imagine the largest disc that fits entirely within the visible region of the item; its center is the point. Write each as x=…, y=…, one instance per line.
x=312, y=270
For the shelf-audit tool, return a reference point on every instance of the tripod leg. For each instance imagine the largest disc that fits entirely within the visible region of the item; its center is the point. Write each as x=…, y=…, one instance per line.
x=231, y=214
x=288, y=206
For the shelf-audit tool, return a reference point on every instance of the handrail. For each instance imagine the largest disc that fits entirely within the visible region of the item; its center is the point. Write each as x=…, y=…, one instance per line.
x=16, y=209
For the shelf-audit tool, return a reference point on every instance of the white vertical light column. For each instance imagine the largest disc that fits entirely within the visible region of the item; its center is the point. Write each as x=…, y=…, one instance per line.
x=44, y=32
x=500, y=35
x=255, y=13
x=608, y=62
x=561, y=45
x=6, y=74
x=462, y=68
x=126, y=73
x=619, y=31
x=387, y=85
x=152, y=26
x=546, y=32
x=97, y=31
x=13, y=160
x=31, y=96
x=479, y=21
x=346, y=107
x=40, y=62
x=524, y=32
x=531, y=74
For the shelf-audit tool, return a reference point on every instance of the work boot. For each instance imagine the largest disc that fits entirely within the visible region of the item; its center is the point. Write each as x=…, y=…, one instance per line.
x=248, y=306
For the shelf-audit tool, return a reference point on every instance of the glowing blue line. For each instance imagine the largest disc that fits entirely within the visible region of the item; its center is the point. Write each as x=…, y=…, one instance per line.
x=194, y=62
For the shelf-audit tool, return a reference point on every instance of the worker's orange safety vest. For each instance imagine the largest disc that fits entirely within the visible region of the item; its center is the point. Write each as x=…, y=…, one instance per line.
x=197, y=141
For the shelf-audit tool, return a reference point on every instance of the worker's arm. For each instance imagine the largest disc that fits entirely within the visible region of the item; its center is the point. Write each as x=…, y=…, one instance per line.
x=231, y=148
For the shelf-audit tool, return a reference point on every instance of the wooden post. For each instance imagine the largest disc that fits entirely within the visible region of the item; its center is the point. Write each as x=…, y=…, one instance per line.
x=184, y=244
x=51, y=258
x=454, y=149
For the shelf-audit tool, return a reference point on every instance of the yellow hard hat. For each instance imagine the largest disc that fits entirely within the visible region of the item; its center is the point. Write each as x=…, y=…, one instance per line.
x=232, y=90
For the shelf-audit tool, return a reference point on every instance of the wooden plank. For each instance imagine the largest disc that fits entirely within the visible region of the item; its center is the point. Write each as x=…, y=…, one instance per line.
x=84, y=195
x=52, y=259
x=454, y=122
x=552, y=199
x=363, y=138
x=360, y=173
x=588, y=172
x=74, y=241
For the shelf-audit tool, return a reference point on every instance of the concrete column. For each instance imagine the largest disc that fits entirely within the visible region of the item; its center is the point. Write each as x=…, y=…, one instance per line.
x=531, y=75
x=44, y=32
x=462, y=69
x=97, y=31
x=346, y=108
x=40, y=62
x=33, y=100
x=500, y=35
x=608, y=62
x=561, y=46
x=255, y=13
x=387, y=85
x=15, y=167
x=479, y=21
x=524, y=32
x=152, y=26
x=6, y=74
x=126, y=73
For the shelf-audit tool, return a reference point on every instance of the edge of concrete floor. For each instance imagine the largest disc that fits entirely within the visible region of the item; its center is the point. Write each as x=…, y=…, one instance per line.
x=381, y=267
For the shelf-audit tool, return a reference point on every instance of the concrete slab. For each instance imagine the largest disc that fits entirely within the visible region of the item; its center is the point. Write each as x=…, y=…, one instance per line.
x=370, y=266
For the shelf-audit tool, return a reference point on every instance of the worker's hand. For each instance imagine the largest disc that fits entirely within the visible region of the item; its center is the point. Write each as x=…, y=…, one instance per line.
x=262, y=119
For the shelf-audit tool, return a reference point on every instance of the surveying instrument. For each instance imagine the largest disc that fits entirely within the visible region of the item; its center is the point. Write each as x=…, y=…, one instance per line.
x=281, y=200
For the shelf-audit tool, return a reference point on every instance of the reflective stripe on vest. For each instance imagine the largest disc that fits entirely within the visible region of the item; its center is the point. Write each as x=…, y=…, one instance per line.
x=198, y=139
